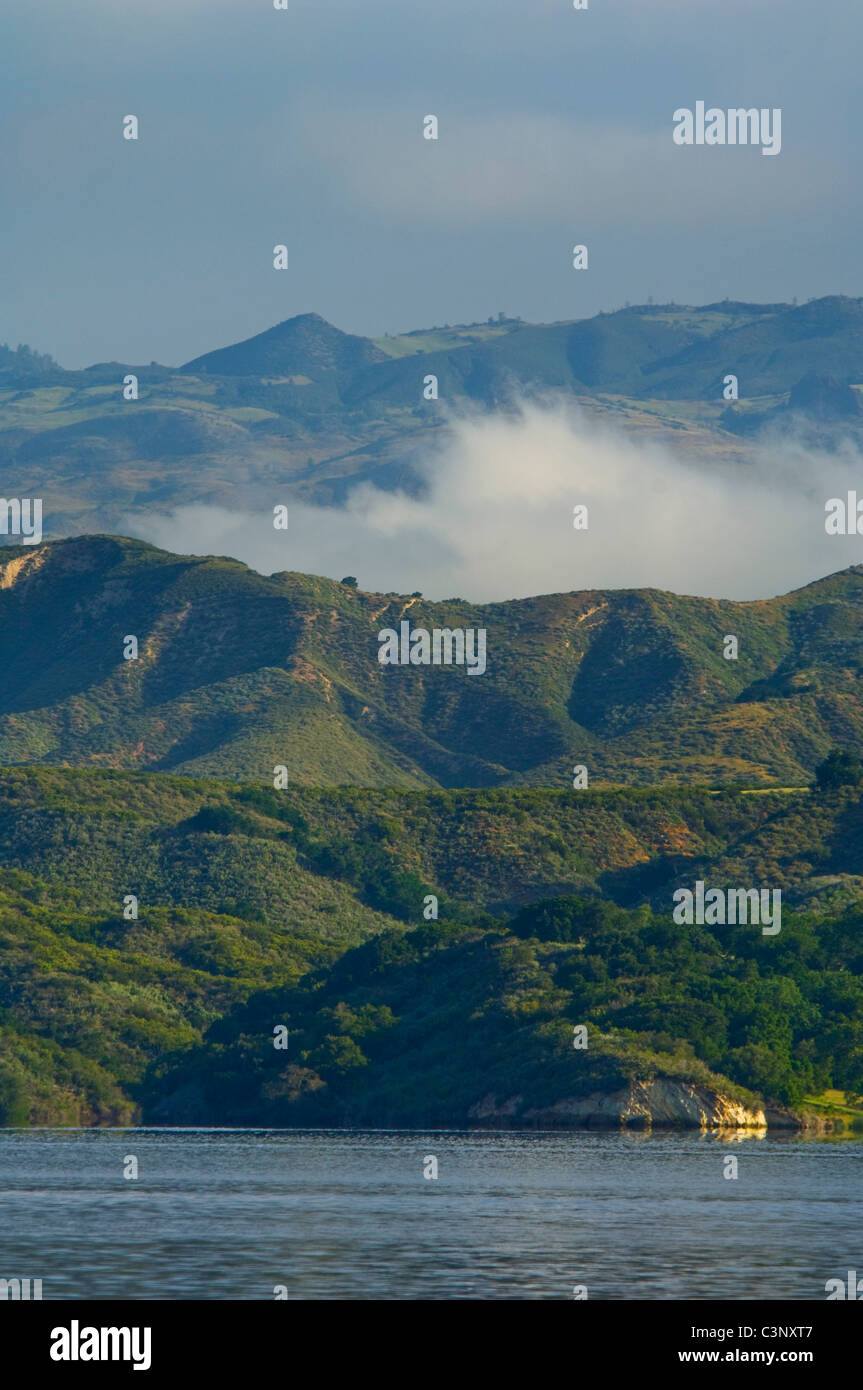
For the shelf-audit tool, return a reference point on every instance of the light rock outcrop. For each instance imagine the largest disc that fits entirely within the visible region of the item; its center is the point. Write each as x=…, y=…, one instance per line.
x=640, y=1104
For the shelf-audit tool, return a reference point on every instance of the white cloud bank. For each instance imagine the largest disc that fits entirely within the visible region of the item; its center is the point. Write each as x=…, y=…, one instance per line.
x=496, y=521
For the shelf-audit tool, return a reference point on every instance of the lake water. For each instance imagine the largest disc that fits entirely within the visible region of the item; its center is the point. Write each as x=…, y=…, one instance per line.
x=227, y=1214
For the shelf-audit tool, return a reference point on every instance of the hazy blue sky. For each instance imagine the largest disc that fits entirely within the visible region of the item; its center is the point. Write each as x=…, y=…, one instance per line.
x=305, y=127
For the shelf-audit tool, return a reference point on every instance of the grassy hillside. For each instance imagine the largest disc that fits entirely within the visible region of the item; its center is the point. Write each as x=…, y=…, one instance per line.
x=238, y=673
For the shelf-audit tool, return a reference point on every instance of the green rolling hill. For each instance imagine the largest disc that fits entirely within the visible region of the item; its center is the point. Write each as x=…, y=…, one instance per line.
x=238, y=673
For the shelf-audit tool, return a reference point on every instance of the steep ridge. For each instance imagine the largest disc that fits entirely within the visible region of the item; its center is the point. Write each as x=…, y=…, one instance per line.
x=237, y=672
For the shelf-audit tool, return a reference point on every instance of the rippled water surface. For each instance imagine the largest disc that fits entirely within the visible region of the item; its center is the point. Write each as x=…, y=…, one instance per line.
x=229, y=1214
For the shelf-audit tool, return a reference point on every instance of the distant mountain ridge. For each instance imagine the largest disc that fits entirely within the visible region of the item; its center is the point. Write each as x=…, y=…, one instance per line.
x=238, y=673
x=667, y=350
x=324, y=410
x=647, y=351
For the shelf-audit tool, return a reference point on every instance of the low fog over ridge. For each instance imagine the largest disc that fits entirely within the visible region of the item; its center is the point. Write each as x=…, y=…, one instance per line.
x=496, y=518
